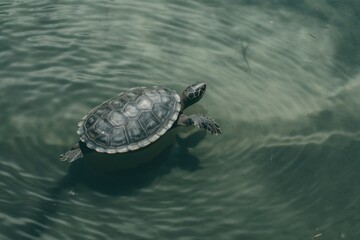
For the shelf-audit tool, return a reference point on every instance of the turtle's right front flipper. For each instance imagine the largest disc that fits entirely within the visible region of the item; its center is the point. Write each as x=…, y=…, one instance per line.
x=200, y=121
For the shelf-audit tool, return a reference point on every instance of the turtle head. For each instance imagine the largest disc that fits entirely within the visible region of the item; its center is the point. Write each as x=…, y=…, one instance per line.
x=192, y=94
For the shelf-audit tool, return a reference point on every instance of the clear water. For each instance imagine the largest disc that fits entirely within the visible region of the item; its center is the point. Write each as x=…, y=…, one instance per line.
x=283, y=82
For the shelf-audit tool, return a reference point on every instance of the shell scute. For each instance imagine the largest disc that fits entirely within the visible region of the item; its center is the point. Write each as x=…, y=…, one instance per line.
x=92, y=133
x=131, y=111
x=103, y=140
x=103, y=126
x=135, y=131
x=118, y=118
x=118, y=137
x=149, y=122
x=144, y=103
x=161, y=111
x=102, y=111
x=90, y=121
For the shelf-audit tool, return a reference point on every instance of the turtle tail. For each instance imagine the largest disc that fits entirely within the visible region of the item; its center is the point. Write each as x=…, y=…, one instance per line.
x=74, y=153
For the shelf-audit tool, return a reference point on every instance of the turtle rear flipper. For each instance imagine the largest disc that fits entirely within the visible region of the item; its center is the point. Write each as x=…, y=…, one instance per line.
x=73, y=154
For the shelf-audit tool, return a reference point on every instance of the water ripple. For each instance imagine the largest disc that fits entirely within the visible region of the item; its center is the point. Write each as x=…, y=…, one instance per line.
x=290, y=124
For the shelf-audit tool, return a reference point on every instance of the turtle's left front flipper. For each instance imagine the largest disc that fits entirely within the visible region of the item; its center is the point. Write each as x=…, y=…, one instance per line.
x=200, y=121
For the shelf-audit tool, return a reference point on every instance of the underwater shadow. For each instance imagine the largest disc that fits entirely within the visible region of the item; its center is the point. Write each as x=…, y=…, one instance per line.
x=119, y=183
x=128, y=181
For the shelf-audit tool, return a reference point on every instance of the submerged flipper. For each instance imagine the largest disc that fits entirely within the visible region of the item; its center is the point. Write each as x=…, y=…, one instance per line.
x=200, y=121
x=73, y=154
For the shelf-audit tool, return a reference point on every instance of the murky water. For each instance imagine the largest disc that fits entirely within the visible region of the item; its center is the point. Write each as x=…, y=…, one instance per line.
x=283, y=82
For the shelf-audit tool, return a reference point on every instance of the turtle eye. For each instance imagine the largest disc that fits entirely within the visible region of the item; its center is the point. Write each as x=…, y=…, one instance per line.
x=200, y=91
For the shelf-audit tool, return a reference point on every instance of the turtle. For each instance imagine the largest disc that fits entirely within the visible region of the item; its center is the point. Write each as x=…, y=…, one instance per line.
x=134, y=119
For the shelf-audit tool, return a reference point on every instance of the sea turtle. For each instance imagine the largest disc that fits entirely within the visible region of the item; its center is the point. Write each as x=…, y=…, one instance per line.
x=136, y=118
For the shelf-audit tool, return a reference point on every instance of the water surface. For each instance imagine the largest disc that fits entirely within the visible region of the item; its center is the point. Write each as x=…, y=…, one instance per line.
x=283, y=82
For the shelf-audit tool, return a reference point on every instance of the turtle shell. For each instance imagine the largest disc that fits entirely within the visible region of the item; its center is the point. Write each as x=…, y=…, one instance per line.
x=131, y=120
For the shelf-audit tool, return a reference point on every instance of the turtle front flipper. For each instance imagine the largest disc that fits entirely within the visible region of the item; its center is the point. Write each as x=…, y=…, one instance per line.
x=200, y=121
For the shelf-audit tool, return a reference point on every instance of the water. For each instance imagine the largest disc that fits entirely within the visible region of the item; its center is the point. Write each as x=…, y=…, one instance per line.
x=283, y=83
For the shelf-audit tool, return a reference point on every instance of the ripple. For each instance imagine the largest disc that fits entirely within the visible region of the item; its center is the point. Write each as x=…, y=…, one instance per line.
x=290, y=124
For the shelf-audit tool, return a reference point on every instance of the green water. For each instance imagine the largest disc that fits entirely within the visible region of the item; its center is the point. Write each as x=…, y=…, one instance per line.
x=283, y=81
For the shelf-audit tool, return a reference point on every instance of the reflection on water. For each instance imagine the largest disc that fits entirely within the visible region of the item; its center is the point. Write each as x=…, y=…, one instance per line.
x=283, y=81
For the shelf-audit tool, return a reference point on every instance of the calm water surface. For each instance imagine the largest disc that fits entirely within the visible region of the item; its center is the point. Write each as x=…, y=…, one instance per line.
x=283, y=82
